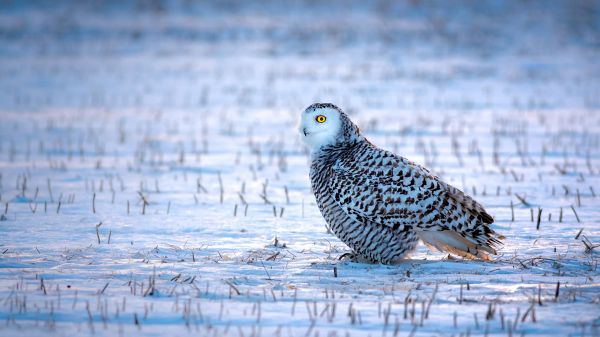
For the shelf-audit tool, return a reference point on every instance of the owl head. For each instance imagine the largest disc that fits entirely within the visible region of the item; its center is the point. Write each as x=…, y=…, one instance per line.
x=324, y=124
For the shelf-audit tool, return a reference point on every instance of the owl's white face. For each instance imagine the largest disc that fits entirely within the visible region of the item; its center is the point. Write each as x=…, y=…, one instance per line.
x=319, y=127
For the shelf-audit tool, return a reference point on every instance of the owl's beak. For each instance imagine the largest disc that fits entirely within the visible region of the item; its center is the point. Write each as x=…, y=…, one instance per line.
x=304, y=131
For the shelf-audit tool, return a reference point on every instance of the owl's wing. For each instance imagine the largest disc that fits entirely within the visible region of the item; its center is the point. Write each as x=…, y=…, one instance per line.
x=388, y=190
x=392, y=191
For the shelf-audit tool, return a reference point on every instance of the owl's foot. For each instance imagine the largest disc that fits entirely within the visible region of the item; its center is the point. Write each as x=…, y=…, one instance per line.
x=348, y=256
x=354, y=257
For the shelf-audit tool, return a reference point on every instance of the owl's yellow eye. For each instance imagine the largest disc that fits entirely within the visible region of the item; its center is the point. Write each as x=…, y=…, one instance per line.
x=320, y=119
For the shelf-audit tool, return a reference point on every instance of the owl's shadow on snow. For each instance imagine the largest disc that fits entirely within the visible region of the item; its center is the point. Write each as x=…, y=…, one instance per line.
x=418, y=265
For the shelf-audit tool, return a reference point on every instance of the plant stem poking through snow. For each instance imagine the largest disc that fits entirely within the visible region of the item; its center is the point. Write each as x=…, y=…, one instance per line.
x=97, y=231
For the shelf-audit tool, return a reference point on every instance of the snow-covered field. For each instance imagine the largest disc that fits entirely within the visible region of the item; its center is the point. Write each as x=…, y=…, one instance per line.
x=152, y=182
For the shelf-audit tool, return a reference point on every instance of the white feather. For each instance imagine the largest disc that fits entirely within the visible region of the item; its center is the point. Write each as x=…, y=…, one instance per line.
x=452, y=242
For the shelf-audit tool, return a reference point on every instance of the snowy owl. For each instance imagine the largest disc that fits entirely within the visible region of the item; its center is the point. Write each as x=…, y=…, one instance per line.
x=381, y=204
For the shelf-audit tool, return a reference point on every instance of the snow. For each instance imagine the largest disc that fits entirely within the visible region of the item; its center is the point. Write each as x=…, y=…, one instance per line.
x=103, y=104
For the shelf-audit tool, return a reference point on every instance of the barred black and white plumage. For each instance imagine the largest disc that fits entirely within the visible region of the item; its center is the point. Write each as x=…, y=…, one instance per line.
x=381, y=204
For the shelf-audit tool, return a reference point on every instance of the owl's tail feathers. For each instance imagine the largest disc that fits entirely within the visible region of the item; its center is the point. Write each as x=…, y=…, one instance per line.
x=454, y=243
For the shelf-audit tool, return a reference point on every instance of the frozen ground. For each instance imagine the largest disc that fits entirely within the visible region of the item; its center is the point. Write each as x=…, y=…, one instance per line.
x=173, y=126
